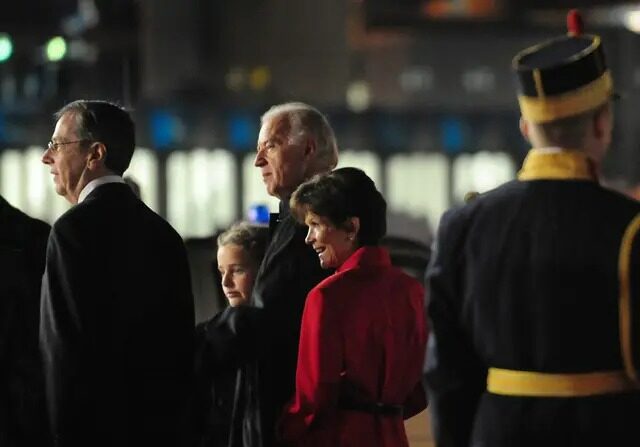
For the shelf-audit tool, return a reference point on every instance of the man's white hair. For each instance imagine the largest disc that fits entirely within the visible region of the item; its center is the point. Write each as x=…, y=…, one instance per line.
x=306, y=121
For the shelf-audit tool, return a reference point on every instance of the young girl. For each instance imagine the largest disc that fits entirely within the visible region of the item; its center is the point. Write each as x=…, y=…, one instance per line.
x=240, y=251
x=219, y=364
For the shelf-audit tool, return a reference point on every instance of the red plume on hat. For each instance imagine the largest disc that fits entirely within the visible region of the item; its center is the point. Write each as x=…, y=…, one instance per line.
x=575, y=25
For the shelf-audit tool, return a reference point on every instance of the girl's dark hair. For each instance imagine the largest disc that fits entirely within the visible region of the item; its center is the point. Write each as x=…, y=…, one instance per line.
x=339, y=195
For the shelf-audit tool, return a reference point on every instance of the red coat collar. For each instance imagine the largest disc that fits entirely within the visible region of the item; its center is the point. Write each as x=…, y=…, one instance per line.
x=367, y=256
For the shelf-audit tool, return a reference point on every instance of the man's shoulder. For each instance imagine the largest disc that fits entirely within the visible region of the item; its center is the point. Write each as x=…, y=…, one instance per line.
x=75, y=216
x=19, y=226
x=620, y=199
x=18, y=217
x=336, y=283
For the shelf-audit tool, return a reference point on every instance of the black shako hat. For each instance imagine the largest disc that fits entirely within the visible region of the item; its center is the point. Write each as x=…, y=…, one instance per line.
x=563, y=77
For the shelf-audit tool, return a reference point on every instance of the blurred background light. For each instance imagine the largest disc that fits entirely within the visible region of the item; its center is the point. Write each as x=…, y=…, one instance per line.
x=453, y=135
x=417, y=79
x=258, y=214
x=166, y=129
x=260, y=78
x=243, y=130
x=235, y=79
x=56, y=49
x=6, y=47
x=632, y=20
x=358, y=96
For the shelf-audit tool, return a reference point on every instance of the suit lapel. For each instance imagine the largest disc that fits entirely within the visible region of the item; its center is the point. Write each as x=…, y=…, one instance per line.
x=281, y=239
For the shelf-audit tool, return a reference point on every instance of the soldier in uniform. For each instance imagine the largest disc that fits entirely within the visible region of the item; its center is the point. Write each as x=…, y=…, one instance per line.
x=534, y=288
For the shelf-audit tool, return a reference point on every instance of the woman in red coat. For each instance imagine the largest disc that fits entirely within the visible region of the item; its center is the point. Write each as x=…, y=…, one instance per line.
x=363, y=332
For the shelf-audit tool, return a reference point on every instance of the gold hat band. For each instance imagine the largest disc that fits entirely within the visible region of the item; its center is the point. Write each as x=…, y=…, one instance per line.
x=575, y=102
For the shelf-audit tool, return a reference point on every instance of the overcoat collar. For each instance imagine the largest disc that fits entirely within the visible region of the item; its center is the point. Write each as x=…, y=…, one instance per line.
x=366, y=256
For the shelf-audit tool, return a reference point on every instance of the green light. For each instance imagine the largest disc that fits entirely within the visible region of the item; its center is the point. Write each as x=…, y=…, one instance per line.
x=56, y=49
x=6, y=47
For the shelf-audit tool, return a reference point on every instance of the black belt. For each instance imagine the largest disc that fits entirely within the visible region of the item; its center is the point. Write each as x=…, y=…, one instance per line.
x=377, y=408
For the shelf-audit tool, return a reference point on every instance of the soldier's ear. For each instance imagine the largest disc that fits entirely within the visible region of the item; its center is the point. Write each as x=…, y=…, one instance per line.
x=603, y=121
x=524, y=128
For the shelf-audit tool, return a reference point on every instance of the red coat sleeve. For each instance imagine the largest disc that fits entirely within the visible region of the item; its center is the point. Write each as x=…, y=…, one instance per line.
x=320, y=363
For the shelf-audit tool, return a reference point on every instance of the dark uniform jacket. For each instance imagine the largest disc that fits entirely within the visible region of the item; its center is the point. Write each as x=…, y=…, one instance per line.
x=527, y=278
x=265, y=335
x=116, y=325
x=23, y=242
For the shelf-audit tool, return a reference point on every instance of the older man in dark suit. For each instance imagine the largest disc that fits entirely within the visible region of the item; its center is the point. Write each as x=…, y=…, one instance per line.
x=295, y=143
x=23, y=241
x=117, y=310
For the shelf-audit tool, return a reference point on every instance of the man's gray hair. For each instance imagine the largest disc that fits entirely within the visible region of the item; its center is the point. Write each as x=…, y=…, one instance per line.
x=306, y=121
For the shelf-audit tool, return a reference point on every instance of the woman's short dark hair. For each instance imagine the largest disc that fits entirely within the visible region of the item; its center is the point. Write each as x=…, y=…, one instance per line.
x=252, y=238
x=339, y=195
x=107, y=123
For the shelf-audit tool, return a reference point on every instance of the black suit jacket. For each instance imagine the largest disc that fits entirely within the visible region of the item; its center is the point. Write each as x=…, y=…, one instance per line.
x=23, y=242
x=117, y=323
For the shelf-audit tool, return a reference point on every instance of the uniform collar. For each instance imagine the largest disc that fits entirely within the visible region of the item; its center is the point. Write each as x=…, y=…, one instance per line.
x=557, y=164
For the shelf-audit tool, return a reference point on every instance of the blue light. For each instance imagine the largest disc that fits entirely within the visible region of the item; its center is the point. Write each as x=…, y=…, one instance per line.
x=243, y=131
x=165, y=129
x=391, y=132
x=452, y=135
x=258, y=214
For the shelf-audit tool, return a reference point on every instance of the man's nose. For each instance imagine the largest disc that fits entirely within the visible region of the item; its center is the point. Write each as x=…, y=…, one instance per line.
x=46, y=157
x=259, y=160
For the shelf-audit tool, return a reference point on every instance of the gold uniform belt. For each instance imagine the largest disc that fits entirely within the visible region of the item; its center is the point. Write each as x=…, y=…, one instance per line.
x=537, y=384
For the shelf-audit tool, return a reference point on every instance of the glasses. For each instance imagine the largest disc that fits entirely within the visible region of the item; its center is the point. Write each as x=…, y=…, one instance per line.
x=55, y=147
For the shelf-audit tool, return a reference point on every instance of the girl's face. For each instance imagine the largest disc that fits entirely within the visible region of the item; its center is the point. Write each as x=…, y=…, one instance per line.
x=238, y=271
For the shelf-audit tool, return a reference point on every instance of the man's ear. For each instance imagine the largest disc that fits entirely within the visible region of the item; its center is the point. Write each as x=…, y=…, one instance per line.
x=97, y=155
x=524, y=128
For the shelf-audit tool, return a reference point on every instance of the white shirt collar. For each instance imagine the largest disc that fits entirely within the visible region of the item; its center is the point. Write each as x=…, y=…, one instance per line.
x=93, y=184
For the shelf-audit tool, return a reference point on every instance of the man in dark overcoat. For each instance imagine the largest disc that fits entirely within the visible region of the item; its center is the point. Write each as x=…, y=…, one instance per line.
x=295, y=143
x=534, y=286
x=117, y=309
x=23, y=242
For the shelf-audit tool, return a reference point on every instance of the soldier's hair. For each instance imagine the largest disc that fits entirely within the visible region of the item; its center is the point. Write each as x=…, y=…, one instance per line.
x=569, y=132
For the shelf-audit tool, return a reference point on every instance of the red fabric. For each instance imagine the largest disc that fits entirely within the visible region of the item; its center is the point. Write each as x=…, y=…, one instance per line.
x=364, y=324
